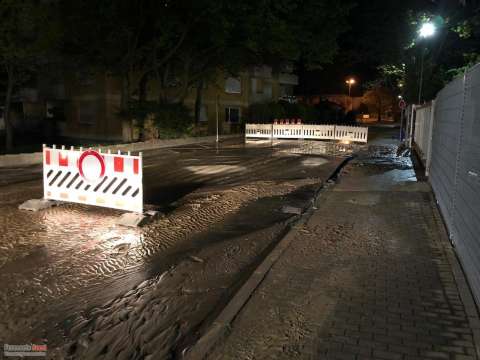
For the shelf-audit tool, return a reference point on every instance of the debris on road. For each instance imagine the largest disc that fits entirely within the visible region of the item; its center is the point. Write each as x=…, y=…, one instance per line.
x=287, y=209
x=196, y=259
x=37, y=204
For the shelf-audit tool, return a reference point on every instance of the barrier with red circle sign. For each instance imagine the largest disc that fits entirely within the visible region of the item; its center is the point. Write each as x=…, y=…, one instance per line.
x=94, y=178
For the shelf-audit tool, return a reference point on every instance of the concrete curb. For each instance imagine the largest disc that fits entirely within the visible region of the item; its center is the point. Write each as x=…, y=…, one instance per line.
x=221, y=324
x=20, y=160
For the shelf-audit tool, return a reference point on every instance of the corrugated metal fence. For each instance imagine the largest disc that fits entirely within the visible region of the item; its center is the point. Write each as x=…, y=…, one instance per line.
x=454, y=165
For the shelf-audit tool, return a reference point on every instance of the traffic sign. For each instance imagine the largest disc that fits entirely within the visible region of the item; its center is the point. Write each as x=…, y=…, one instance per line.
x=91, y=165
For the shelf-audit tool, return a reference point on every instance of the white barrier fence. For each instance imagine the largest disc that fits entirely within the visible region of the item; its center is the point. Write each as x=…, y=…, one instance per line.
x=351, y=133
x=422, y=135
x=316, y=132
x=258, y=131
x=94, y=178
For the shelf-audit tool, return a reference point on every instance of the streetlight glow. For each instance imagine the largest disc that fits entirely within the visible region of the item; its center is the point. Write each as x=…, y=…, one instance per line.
x=350, y=82
x=427, y=30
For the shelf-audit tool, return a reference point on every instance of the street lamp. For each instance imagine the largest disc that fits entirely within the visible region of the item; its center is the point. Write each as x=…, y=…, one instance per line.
x=350, y=82
x=427, y=30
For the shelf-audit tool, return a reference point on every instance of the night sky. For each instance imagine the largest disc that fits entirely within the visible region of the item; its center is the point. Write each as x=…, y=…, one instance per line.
x=378, y=28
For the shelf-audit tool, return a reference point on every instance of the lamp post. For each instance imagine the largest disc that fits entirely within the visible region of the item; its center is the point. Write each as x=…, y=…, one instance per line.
x=427, y=30
x=350, y=82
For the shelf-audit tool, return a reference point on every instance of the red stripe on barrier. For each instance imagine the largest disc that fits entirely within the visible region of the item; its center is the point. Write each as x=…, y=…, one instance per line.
x=135, y=166
x=118, y=164
x=62, y=160
x=47, y=157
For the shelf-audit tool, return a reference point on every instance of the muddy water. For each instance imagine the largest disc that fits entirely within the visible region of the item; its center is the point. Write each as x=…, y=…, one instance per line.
x=59, y=264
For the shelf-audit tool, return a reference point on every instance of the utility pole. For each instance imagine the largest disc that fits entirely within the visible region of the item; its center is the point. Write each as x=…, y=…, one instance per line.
x=216, y=114
x=421, y=76
x=350, y=82
x=427, y=30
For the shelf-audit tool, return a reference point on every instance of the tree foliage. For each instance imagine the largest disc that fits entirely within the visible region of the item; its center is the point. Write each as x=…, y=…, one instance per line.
x=170, y=45
x=188, y=41
x=28, y=35
x=379, y=99
x=453, y=48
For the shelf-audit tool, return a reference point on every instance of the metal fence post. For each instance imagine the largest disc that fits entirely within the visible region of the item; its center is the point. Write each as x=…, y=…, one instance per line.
x=411, y=124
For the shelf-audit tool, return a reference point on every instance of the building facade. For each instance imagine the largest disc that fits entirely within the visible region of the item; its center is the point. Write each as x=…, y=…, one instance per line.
x=93, y=102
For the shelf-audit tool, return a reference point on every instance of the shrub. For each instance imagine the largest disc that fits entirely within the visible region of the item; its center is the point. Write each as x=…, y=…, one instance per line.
x=171, y=120
x=265, y=112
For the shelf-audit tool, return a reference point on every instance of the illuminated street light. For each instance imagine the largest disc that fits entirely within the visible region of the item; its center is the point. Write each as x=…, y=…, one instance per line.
x=427, y=30
x=350, y=82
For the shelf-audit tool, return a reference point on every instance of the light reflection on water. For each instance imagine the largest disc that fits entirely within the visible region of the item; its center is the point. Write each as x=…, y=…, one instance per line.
x=309, y=147
x=67, y=228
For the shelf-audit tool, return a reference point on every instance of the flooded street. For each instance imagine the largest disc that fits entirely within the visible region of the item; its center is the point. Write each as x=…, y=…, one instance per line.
x=74, y=279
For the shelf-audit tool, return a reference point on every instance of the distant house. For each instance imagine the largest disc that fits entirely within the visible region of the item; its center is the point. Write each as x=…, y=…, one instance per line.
x=33, y=107
x=91, y=111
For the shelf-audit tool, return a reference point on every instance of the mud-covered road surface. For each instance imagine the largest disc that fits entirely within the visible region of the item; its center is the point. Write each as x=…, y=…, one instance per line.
x=90, y=289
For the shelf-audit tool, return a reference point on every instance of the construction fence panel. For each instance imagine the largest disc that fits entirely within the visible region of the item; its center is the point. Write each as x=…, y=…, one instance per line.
x=93, y=178
x=455, y=168
x=314, y=132
x=351, y=133
x=423, y=131
x=288, y=131
x=321, y=132
x=258, y=131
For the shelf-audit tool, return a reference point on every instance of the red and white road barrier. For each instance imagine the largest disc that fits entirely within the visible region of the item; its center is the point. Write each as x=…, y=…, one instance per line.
x=94, y=178
x=307, y=131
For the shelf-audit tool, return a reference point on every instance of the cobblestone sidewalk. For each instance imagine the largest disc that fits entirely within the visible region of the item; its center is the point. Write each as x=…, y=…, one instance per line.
x=371, y=275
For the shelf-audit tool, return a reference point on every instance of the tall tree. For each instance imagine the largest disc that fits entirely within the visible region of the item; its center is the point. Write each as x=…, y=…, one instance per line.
x=28, y=32
x=189, y=42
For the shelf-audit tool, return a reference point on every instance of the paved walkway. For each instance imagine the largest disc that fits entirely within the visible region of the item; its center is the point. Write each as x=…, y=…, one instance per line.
x=371, y=275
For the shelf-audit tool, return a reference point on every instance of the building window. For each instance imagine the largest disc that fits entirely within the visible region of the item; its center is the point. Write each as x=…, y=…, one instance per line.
x=87, y=111
x=286, y=90
x=233, y=85
x=268, y=90
x=232, y=115
x=203, y=113
x=257, y=86
x=86, y=77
